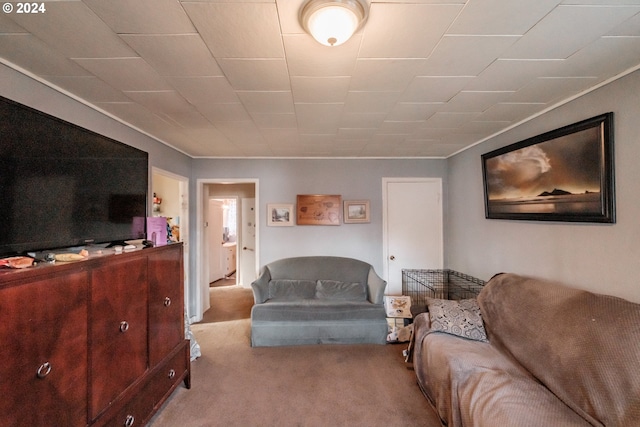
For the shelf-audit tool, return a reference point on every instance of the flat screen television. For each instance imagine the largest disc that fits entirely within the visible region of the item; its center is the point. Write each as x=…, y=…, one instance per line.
x=64, y=186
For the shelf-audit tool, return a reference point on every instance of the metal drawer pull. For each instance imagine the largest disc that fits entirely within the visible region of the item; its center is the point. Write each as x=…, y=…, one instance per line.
x=128, y=422
x=124, y=326
x=167, y=302
x=172, y=374
x=44, y=370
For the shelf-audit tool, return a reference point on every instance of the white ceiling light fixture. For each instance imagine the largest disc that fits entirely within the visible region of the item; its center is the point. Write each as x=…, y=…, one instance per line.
x=332, y=22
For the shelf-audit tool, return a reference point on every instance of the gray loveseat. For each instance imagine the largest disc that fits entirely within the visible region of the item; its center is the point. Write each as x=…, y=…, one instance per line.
x=555, y=356
x=318, y=300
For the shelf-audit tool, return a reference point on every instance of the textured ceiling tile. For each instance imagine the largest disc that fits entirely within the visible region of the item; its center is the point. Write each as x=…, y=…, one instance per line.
x=434, y=89
x=549, y=39
x=355, y=133
x=483, y=127
x=465, y=55
x=384, y=74
x=137, y=116
x=475, y=101
x=511, y=111
x=394, y=127
x=319, y=117
x=166, y=102
x=320, y=89
x=175, y=55
x=234, y=112
x=89, y=88
x=306, y=57
x=547, y=89
x=510, y=75
x=405, y=30
x=609, y=61
x=28, y=52
x=630, y=27
x=361, y=120
x=275, y=121
x=450, y=120
x=412, y=111
x=8, y=26
x=280, y=136
x=256, y=74
x=125, y=73
x=243, y=132
x=142, y=16
x=499, y=17
x=204, y=90
x=267, y=102
x=289, y=12
x=255, y=28
x=74, y=30
x=370, y=102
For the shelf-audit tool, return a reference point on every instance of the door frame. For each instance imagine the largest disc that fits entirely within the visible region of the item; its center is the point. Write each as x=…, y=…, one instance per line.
x=385, y=219
x=201, y=297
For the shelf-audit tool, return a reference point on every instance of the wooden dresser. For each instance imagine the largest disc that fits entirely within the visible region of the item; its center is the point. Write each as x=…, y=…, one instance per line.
x=94, y=342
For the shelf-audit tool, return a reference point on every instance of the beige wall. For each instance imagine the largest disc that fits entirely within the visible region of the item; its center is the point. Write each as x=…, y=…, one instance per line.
x=598, y=257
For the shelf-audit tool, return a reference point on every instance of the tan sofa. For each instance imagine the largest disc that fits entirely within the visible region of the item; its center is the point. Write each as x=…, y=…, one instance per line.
x=555, y=356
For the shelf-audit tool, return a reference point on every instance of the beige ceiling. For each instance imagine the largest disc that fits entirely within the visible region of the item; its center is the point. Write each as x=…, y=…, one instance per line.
x=238, y=78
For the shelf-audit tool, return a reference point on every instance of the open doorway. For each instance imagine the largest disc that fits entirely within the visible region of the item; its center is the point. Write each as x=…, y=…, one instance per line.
x=171, y=200
x=228, y=233
x=222, y=230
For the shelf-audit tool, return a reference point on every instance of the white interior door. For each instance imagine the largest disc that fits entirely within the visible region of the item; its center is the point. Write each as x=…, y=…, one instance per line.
x=413, y=230
x=247, y=248
x=214, y=238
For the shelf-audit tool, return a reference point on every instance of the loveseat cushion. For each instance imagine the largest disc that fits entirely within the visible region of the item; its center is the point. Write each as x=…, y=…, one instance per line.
x=315, y=310
x=337, y=290
x=583, y=346
x=292, y=289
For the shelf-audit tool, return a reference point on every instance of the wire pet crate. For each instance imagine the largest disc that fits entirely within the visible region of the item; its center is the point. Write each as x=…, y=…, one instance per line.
x=443, y=284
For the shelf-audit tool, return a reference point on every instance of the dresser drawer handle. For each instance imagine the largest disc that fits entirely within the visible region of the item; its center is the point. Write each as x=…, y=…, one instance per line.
x=44, y=370
x=128, y=422
x=167, y=302
x=124, y=326
x=172, y=373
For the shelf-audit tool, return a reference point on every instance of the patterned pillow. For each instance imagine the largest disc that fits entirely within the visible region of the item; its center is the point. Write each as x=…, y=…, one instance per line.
x=461, y=318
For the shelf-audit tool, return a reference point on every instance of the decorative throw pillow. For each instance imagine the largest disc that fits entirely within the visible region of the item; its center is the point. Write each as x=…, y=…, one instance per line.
x=461, y=318
x=334, y=289
x=292, y=289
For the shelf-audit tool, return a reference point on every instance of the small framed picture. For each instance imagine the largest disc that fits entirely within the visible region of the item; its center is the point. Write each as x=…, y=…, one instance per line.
x=356, y=211
x=280, y=215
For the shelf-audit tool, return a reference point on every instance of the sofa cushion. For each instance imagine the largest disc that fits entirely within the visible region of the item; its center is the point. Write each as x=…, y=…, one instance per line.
x=336, y=290
x=583, y=346
x=471, y=383
x=315, y=310
x=291, y=289
x=461, y=318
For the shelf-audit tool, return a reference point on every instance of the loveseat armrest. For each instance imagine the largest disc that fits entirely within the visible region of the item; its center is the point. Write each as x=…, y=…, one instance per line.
x=375, y=287
x=260, y=286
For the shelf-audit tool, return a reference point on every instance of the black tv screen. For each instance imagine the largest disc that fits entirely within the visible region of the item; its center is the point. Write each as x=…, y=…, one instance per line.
x=63, y=186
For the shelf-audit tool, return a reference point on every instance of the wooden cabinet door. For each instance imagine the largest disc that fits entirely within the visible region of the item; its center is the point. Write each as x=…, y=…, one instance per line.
x=166, y=302
x=118, y=329
x=43, y=352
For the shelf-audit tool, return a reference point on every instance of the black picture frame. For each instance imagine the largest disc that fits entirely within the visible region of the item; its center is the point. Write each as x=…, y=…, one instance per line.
x=566, y=174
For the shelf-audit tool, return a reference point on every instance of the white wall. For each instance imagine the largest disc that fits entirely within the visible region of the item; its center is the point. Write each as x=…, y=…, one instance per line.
x=597, y=257
x=280, y=181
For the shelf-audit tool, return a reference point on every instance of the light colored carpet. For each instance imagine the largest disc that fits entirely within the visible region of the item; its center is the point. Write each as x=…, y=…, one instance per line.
x=234, y=384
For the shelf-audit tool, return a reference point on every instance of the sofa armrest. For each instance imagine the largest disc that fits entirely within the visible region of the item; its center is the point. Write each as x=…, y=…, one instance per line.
x=375, y=287
x=260, y=286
